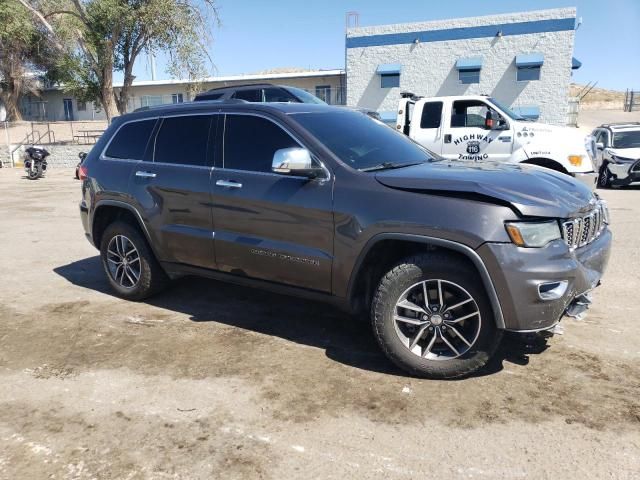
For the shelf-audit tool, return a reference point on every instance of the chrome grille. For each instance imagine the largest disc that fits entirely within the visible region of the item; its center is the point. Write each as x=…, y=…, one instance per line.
x=581, y=231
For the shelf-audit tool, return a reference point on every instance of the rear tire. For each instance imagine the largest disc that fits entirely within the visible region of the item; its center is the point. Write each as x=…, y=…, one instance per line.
x=131, y=268
x=447, y=345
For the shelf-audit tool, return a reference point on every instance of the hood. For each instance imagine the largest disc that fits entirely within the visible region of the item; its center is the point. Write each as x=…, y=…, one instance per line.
x=533, y=191
x=633, y=153
x=542, y=131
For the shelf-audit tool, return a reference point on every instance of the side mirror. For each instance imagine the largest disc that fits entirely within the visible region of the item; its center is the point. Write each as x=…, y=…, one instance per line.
x=489, y=122
x=295, y=161
x=600, y=146
x=494, y=121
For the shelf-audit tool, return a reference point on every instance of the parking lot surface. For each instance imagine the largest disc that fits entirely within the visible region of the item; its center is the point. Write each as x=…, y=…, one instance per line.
x=209, y=380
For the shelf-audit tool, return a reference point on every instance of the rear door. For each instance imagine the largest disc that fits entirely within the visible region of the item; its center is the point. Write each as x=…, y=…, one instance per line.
x=426, y=126
x=465, y=138
x=171, y=189
x=267, y=225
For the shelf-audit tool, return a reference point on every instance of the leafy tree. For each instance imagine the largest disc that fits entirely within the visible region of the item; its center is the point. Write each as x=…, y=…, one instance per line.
x=23, y=51
x=109, y=35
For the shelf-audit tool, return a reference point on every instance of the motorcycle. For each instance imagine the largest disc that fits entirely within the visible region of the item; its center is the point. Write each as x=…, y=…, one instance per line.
x=35, y=162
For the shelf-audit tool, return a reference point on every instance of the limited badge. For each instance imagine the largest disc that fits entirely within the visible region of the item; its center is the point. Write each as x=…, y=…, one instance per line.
x=473, y=146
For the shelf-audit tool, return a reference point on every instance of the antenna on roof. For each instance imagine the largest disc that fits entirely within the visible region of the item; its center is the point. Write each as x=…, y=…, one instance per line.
x=352, y=20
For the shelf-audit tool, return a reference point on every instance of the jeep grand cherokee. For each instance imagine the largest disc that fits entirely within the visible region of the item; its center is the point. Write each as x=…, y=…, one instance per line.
x=326, y=203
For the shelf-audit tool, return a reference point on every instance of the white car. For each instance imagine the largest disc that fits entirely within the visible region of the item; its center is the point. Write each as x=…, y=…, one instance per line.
x=478, y=128
x=617, y=154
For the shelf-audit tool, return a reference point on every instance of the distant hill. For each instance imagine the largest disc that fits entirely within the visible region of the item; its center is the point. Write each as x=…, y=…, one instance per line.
x=597, y=95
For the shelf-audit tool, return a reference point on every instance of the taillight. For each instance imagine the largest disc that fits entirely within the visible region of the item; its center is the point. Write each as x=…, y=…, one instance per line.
x=83, y=172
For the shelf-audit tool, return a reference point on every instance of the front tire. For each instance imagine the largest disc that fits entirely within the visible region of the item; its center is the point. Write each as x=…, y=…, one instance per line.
x=130, y=266
x=432, y=317
x=604, y=177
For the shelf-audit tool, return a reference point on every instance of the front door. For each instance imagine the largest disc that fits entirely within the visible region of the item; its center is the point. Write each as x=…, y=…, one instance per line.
x=465, y=136
x=269, y=226
x=171, y=189
x=67, y=103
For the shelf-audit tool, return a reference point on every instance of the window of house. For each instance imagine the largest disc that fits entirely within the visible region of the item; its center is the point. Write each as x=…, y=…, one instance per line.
x=389, y=80
x=131, y=140
x=176, y=98
x=183, y=140
x=526, y=74
x=431, y=115
x=82, y=106
x=323, y=92
x=467, y=77
x=150, y=100
x=255, y=155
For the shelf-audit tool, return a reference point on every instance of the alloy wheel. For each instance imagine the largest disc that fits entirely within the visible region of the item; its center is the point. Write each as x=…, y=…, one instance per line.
x=123, y=261
x=437, y=319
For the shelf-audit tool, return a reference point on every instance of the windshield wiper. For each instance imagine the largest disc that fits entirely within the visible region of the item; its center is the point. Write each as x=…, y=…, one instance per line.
x=389, y=166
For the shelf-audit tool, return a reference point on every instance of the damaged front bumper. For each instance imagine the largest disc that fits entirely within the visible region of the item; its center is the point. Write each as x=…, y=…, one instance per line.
x=536, y=287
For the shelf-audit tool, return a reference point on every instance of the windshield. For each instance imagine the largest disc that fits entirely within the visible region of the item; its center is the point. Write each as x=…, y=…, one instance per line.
x=626, y=139
x=507, y=111
x=361, y=142
x=305, y=96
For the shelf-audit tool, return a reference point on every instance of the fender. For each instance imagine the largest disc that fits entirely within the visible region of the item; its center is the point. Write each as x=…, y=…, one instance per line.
x=125, y=206
x=449, y=244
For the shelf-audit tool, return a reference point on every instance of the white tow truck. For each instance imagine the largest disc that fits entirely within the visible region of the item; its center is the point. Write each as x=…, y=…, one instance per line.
x=478, y=128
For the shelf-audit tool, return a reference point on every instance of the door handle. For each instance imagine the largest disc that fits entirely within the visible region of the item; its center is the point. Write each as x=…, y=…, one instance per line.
x=228, y=184
x=447, y=138
x=145, y=174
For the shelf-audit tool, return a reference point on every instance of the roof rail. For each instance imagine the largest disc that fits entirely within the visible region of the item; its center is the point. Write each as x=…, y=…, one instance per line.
x=199, y=102
x=619, y=124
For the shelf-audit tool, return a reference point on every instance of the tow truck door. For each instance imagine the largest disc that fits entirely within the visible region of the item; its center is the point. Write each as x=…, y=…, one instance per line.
x=466, y=138
x=426, y=124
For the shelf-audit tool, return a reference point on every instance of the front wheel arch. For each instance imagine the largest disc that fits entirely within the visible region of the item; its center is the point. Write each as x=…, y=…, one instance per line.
x=547, y=163
x=370, y=254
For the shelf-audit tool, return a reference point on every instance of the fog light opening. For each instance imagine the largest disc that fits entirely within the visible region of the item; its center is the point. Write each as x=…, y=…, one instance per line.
x=552, y=290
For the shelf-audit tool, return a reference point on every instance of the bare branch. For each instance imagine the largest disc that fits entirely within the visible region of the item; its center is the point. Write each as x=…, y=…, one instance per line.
x=56, y=42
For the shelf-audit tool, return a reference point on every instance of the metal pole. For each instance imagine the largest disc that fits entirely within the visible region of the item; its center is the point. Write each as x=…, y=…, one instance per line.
x=6, y=132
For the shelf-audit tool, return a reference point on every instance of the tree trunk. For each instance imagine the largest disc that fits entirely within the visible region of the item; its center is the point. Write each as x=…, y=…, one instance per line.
x=122, y=98
x=11, y=95
x=107, y=98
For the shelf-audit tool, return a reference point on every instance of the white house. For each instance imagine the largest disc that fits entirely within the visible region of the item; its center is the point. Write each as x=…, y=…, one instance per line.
x=54, y=104
x=521, y=59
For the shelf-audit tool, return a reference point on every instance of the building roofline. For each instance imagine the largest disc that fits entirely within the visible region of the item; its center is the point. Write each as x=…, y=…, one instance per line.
x=490, y=19
x=230, y=78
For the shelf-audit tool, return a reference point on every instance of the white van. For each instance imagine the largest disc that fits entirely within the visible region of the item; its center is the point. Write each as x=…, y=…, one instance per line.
x=478, y=128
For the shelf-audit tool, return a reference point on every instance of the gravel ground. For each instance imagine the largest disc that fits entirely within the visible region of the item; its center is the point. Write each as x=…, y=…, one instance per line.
x=209, y=380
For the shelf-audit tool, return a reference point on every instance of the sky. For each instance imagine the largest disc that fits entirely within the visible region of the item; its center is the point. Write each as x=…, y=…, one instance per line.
x=259, y=35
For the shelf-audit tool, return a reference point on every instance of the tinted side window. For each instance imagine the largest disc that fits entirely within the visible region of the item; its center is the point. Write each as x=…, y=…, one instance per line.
x=131, y=140
x=183, y=140
x=212, y=96
x=249, y=95
x=250, y=142
x=431, y=115
x=278, y=95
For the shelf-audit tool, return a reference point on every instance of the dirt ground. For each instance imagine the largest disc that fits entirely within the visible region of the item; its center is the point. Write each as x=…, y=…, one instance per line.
x=209, y=380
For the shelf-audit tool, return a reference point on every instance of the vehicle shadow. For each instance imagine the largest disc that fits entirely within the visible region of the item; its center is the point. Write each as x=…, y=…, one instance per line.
x=344, y=339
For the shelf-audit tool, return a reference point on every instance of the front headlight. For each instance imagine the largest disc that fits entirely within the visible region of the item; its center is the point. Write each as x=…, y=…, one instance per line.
x=617, y=159
x=533, y=234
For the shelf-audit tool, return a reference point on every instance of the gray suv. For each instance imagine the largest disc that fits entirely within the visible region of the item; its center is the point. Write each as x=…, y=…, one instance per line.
x=328, y=204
